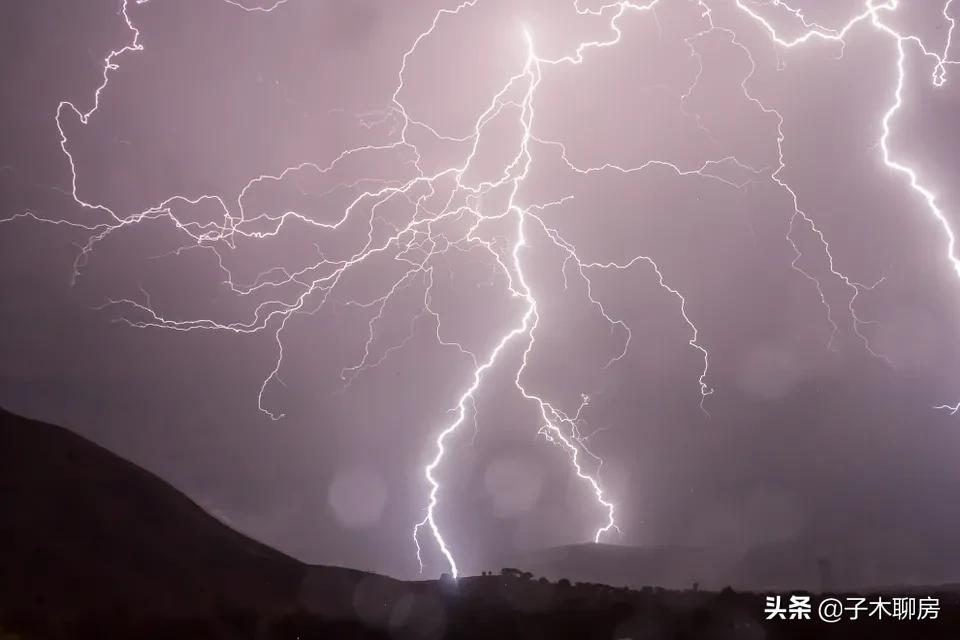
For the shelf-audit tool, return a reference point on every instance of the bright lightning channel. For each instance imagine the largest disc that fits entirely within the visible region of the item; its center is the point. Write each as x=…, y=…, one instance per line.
x=418, y=243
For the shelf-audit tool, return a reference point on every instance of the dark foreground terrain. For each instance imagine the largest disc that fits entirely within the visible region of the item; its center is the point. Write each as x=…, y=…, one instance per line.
x=94, y=547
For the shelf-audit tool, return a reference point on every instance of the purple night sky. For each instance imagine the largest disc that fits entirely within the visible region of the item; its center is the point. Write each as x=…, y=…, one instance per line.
x=294, y=243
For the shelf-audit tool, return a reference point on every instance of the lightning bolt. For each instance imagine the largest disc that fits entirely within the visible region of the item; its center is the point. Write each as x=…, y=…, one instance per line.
x=872, y=13
x=445, y=213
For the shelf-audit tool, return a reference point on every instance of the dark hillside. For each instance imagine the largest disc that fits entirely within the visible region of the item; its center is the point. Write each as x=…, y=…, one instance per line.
x=81, y=527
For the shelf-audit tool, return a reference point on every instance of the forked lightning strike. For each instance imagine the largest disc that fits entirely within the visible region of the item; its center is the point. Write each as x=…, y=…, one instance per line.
x=873, y=13
x=422, y=240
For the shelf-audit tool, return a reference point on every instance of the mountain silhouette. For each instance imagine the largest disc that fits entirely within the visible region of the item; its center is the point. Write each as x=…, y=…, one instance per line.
x=81, y=527
x=94, y=547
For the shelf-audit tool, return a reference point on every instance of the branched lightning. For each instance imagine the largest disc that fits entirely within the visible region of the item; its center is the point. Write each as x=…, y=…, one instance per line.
x=873, y=14
x=445, y=214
